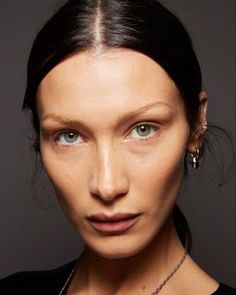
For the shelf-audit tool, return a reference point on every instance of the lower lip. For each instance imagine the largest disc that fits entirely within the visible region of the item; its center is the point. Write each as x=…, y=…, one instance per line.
x=115, y=226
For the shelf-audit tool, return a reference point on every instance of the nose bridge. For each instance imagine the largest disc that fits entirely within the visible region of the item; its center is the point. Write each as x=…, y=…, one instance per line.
x=108, y=177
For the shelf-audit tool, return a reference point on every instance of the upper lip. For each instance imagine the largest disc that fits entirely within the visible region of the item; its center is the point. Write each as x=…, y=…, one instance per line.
x=114, y=217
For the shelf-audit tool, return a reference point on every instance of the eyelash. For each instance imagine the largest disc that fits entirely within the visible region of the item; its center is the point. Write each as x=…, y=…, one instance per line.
x=151, y=126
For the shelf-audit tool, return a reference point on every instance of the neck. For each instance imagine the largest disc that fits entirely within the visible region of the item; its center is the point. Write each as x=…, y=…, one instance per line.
x=109, y=276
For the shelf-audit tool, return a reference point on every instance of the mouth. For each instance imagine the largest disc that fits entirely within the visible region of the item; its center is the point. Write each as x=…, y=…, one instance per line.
x=113, y=224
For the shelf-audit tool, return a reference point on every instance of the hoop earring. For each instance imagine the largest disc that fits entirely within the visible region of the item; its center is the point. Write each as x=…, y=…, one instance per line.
x=195, y=158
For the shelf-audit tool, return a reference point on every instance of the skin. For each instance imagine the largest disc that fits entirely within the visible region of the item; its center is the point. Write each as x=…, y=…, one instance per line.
x=109, y=166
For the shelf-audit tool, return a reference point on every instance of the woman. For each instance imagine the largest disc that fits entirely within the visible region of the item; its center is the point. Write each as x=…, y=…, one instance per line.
x=116, y=97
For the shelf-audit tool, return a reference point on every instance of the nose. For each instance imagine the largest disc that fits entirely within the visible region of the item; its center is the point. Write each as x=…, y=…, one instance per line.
x=108, y=179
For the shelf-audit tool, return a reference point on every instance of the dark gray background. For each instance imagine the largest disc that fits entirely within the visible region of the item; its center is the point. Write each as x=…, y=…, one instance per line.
x=34, y=233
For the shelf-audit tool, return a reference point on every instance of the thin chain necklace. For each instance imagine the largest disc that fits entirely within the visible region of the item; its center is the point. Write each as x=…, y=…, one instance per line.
x=68, y=279
x=158, y=289
x=155, y=292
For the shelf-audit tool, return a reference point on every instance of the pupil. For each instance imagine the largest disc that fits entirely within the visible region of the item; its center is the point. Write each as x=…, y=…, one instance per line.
x=144, y=130
x=70, y=137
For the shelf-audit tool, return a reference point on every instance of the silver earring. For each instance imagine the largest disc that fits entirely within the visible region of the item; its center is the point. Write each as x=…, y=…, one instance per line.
x=195, y=158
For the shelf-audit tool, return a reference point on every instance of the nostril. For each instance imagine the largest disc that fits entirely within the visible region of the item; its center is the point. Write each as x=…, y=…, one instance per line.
x=108, y=197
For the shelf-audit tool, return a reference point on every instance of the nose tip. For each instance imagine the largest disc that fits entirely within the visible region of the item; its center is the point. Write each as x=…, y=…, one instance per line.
x=108, y=193
x=108, y=180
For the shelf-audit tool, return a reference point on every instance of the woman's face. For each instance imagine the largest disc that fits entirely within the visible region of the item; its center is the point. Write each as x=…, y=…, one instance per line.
x=113, y=140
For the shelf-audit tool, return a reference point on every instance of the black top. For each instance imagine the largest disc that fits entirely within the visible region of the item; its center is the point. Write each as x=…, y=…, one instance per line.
x=51, y=282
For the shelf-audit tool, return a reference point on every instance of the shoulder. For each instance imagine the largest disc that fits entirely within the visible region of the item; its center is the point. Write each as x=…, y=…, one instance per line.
x=224, y=290
x=36, y=282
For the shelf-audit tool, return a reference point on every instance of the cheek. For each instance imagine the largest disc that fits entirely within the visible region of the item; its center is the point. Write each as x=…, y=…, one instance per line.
x=69, y=185
x=63, y=174
x=161, y=167
x=160, y=185
x=159, y=174
x=64, y=169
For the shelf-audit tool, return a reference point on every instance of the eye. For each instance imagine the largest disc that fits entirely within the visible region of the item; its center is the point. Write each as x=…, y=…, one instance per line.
x=143, y=131
x=69, y=138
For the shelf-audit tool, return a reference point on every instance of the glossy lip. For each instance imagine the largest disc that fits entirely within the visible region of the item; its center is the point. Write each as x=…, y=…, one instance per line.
x=113, y=224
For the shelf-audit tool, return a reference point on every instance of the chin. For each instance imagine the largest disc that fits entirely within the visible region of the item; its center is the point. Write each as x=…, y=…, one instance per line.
x=116, y=253
x=117, y=247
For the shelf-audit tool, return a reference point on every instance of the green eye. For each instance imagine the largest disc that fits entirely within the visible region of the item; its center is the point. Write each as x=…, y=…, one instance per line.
x=68, y=138
x=143, y=131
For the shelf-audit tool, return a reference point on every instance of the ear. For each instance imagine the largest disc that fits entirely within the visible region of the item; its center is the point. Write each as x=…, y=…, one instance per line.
x=196, y=136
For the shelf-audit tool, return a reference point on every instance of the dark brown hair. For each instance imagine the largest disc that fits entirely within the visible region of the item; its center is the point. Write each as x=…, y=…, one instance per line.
x=144, y=26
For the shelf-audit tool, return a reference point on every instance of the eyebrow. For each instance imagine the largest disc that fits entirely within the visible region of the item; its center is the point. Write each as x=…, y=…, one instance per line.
x=126, y=117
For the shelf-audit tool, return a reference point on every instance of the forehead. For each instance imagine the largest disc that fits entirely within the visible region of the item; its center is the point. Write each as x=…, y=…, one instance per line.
x=113, y=79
